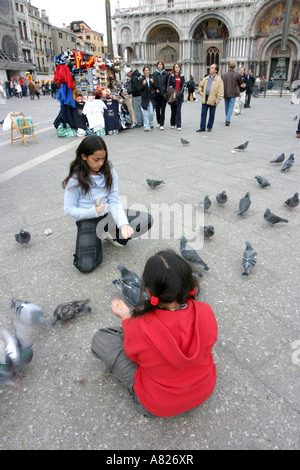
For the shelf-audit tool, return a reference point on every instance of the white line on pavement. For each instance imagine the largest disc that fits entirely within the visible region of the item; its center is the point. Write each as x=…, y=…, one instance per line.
x=36, y=161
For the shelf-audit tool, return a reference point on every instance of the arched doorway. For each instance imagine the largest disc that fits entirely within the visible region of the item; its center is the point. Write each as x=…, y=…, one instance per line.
x=163, y=44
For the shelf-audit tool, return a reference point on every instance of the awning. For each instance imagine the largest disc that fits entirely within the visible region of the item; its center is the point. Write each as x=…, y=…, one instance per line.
x=45, y=77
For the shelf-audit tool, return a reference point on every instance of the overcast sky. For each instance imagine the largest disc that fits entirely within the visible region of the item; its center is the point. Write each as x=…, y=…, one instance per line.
x=92, y=12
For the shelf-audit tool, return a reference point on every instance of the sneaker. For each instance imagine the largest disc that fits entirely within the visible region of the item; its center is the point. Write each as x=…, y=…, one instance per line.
x=172, y=127
x=158, y=126
x=298, y=135
x=146, y=130
x=200, y=130
x=161, y=128
x=227, y=123
x=179, y=129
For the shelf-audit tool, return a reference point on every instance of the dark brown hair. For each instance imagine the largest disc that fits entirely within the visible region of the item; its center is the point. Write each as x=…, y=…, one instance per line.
x=80, y=168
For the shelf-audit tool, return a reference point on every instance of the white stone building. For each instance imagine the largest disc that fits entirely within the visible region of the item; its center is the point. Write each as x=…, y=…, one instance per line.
x=197, y=33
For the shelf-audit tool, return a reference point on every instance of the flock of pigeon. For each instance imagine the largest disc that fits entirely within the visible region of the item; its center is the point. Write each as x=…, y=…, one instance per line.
x=15, y=355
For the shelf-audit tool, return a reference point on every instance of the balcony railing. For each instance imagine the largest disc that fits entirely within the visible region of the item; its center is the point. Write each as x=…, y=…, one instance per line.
x=11, y=57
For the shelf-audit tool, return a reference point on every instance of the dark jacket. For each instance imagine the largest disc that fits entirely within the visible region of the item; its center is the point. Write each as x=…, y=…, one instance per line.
x=161, y=80
x=147, y=92
x=172, y=82
x=232, y=81
x=134, y=84
x=191, y=84
x=249, y=80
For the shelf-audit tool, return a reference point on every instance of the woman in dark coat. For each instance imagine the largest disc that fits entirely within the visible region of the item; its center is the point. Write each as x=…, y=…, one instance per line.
x=161, y=77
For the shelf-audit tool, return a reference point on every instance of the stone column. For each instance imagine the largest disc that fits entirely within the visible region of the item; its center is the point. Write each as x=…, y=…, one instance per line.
x=280, y=71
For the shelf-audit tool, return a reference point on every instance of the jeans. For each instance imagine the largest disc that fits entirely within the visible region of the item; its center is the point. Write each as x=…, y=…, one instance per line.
x=160, y=109
x=176, y=113
x=204, y=111
x=138, y=109
x=148, y=116
x=88, y=251
x=229, y=105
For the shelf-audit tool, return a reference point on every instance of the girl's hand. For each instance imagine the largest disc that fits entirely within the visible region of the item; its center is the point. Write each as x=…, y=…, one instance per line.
x=120, y=309
x=100, y=209
x=126, y=231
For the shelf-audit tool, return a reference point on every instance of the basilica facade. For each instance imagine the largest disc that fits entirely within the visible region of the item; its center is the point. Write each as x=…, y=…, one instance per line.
x=197, y=33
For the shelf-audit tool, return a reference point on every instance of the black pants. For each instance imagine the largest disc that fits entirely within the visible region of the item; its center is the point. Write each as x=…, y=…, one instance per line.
x=160, y=104
x=88, y=252
x=248, y=98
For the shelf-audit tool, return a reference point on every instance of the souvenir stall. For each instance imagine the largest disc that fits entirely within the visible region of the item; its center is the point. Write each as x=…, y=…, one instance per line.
x=91, y=101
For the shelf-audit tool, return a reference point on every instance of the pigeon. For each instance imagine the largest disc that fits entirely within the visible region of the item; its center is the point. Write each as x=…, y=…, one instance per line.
x=244, y=204
x=208, y=231
x=129, y=277
x=68, y=310
x=288, y=163
x=221, y=198
x=242, y=146
x=23, y=237
x=191, y=255
x=273, y=219
x=249, y=259
x=279, y=159
x=6, y=372
x=154, y=183
x=10, y=359
x=184, y=142
x=29, y=313
x=293, y=201
x=131, y=293
x=206, y=203
x=11, y=346
x=263, y=182
x=295, y=118
x=26, y=355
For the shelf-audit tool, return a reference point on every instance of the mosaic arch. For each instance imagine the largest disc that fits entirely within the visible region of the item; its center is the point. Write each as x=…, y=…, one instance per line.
x=163, y=34
x=211, y=28
x=271, y=19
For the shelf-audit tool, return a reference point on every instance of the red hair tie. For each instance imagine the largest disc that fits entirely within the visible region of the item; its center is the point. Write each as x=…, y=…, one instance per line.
x=154, y=300
x=193, y=292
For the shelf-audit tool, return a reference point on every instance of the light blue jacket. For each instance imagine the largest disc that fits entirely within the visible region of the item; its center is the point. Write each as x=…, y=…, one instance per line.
x=80, y=206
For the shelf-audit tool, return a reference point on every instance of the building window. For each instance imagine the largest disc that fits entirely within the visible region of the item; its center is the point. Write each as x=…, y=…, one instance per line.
x=21, y=30
x=17, y=6
x=25, y=30
x=21, y=8
x=60, y=35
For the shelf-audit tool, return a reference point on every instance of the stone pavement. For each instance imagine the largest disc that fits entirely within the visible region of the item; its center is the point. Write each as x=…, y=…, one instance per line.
x=65, y=401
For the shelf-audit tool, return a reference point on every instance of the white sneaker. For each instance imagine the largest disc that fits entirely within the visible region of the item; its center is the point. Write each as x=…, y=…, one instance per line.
x=158, y=125
x=161, y=128
x=179, y=129
x=172, y=127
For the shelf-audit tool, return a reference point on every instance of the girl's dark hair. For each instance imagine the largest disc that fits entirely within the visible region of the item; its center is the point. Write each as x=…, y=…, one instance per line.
x=146, y=67
x=169, y=277
x=173, y=69
x=80, y=168
x=160, y=62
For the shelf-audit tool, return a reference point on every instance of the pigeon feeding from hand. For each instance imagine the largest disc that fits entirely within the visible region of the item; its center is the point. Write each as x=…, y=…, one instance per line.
x=244, y=204
x=23, y=237
x=184, y=142
x=208, y=231
x=131, y=293
x=273, y=219
x=154, y=183
x=221, y=198
x=29, y=313
x=249, y=259
x=279, y=159
x=191, y=255
x=263, y=182
x=242, y=146
x=293, y=201
x=129, y=277
x=68, y=310
x=288, y=163
x=206, y=203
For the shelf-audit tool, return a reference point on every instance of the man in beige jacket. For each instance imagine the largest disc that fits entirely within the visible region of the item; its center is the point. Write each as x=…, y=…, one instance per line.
x=212, y=91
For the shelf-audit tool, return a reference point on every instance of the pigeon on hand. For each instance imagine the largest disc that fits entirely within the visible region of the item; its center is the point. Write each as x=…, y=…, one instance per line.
x=29, y=313
x=23, y=237
x=279, y=159
x=263, y=182
x=244, y=204
x=249, y=259
x=293, y=201
x=288, y=163
x=131, y=293
x=68, y=310
x=154, y=183
x=242, y=146
x=184, y=142
x=129, y=277
x=206, y=203
x=208, y=231
x=221, y=198
x=273, y=219
x=191, y=255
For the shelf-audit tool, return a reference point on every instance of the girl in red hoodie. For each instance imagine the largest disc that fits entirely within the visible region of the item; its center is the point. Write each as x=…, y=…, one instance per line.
x=163, y=352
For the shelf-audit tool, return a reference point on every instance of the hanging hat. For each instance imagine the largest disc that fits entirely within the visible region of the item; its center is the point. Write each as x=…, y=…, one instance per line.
x=127, y=70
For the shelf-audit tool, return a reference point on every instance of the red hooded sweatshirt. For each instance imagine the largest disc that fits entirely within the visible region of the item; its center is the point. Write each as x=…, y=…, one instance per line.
x=173, y=352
